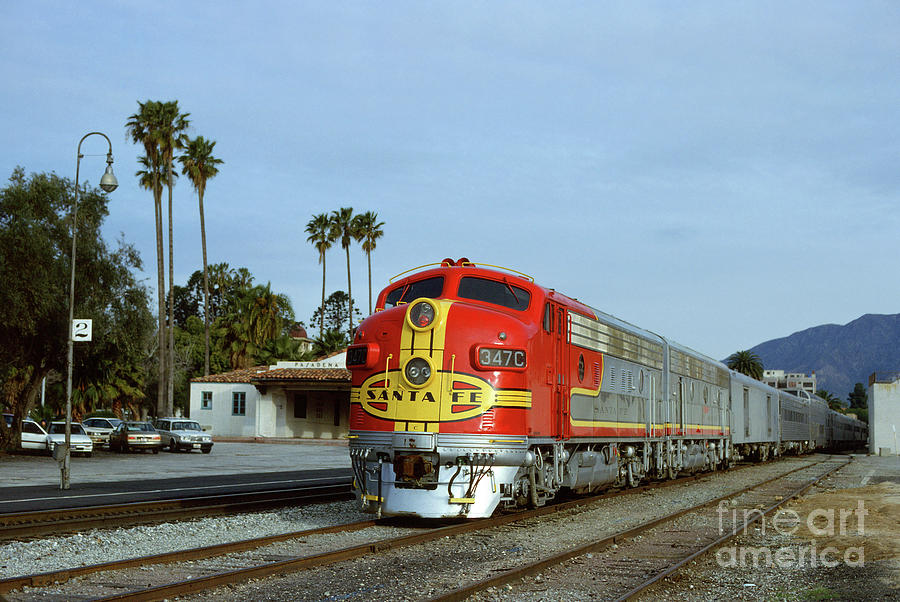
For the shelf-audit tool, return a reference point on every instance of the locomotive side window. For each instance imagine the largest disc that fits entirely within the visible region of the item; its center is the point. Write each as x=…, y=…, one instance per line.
x=430, y=288
x=493, y=291
x=548, y=318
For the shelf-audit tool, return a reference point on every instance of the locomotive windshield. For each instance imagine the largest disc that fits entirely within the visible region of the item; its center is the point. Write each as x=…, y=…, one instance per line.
x=430, y=287
x=492, y=291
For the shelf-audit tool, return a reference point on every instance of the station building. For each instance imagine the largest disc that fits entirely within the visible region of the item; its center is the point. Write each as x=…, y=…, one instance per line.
x=287, y=400
x=884, y=412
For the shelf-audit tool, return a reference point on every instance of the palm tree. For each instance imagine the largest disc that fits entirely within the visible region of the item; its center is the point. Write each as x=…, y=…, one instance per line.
x=142, y=129
x=199, y=164
x=319, y=230
x=265, y=314
x=345, y=227
x=329, y=342
x=834, y=402
x=746, y=362
x=171, y=127
x=371, y=231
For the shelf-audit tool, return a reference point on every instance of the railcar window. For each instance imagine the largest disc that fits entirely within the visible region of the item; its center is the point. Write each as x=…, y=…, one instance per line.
x=746, y=412
x=430, y=288
x=548, y=318
x=492, y=291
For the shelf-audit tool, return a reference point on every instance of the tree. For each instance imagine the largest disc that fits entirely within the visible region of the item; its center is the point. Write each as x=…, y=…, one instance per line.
x=266, y=313
x=199, y=164
x=142, y=128
x=346, y=228
x=187, y=304
x=370, y=230
x=35, y=256
x=282, y=348
x=172, y=126
x=333, y=313
x=329, y=342
x=858, y=397
x=832, y=400
x=747, y=363
x=320, y=236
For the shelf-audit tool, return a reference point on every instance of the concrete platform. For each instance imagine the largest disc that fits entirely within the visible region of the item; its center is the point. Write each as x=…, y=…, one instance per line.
x=227, y=457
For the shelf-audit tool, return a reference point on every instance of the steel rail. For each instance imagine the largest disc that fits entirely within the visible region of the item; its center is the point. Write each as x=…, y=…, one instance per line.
x=63, y=575
x=535, y=567
x=40, y=522
x=727, y=536
x=199, y=584
x=55, y=577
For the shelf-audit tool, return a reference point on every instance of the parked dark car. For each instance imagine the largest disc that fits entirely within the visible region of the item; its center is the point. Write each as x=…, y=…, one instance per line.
x=135, y=435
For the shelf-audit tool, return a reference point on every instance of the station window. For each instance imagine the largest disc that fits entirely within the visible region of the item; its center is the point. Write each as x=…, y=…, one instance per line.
x=206, y=400
x=239, y=403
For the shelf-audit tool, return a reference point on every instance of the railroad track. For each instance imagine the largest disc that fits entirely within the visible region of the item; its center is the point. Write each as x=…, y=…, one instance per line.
x=67, y=520
x=632, y=561
x=137, y=579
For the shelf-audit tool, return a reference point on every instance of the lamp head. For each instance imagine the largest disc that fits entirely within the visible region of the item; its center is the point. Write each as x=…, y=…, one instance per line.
x=109, y=182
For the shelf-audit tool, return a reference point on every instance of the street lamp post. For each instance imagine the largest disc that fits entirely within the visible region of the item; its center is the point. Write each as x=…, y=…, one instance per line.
x=108, y=183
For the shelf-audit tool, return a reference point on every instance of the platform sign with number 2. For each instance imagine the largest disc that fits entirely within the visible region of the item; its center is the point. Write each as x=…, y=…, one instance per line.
x=81, y=330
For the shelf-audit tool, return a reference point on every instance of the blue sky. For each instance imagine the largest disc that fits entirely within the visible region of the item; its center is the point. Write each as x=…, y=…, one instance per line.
x=722, y=173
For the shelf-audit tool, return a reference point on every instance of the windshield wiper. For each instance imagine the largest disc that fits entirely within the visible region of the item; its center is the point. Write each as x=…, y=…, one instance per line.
x=509, y=286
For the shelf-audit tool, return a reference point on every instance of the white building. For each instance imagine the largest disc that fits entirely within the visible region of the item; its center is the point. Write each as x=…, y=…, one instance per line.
x=779, y=379
x=289, y=399
x=884, y=412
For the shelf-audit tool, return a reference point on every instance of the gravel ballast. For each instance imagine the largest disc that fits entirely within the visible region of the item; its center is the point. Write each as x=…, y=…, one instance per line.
x=419, y=572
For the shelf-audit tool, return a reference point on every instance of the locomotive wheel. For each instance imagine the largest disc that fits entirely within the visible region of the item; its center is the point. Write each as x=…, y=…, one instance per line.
x=672, y=472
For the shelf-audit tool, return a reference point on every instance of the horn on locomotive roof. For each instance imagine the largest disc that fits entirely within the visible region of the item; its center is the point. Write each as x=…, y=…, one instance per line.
x=462, y=262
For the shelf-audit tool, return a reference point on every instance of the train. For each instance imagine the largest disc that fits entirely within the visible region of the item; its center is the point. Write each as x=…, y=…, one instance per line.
x=475, y=390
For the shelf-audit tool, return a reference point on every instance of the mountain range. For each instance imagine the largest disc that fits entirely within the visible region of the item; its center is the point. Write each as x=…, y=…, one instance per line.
x=841, y=356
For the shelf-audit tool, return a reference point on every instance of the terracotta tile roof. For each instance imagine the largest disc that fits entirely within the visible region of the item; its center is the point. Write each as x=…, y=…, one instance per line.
x=262, y=373
x=337, y=374
x=235, y=376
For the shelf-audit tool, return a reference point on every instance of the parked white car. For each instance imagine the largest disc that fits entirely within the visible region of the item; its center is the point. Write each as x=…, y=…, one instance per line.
x=33, y=436
x=183, y=434
x=79, y=441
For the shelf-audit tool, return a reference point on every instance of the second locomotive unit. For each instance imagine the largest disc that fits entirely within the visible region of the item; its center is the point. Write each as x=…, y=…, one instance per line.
x=473, y=388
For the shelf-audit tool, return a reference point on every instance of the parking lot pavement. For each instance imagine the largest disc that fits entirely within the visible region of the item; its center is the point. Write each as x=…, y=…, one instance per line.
x=226, y=458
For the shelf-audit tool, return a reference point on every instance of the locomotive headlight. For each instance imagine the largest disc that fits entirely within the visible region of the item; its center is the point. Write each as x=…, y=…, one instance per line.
x=422, y=314
x=418, y=371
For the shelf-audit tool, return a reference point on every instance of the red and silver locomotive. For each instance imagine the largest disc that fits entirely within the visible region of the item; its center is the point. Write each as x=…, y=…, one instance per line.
x=474, y=388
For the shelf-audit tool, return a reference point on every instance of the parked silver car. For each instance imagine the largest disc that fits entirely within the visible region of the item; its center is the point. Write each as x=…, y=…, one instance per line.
x=183, y=434
x=98, y=429
x=79, y=442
